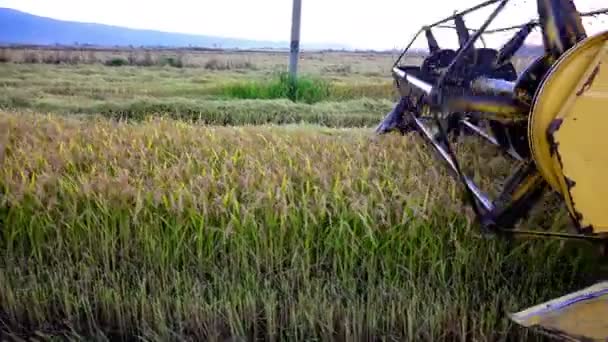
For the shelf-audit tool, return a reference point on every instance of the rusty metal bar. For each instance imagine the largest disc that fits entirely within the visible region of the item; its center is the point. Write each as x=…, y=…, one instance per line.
x=533, y=22
x=498, y=108
x=442, y=21
x=480, y=132
x=407, y=47
x=484, y=29
x=461, y=31
x=594, y=13
x=561, y=25
x=498, y=30
x=493, y=86
x=464, y=50
x=413, y=80
x=481, y=197
x=465, y=12
x=513, y=45
x=431, y=40
x=522, y=190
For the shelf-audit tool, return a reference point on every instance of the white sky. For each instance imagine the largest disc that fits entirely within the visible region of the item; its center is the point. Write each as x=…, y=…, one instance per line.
x=358, y=23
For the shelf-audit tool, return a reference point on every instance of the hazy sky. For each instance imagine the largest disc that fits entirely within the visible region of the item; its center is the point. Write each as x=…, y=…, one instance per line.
x=359, y=23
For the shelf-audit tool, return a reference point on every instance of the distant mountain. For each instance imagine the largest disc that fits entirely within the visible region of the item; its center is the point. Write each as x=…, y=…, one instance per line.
x=17, y=27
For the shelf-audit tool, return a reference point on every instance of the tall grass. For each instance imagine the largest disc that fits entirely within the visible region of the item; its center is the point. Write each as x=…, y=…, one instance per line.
x=166, y=231
x=307, y=89
x=355, y=113
x=335, y=63
x=299, y=89
x=217, y=97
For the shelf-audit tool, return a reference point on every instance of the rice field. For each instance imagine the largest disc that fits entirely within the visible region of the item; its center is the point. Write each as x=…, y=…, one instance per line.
x=168, y=227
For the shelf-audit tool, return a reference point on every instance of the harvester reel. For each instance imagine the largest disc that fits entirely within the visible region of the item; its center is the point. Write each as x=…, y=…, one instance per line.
x=478, y=91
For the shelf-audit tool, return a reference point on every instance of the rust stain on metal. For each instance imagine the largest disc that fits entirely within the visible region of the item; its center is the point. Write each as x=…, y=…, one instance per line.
x=553, y=127
x=578, y=216
x=589, y=81
x=570, y=183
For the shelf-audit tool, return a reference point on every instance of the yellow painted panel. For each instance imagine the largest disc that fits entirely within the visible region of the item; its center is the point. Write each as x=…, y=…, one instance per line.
x=583, y=149
x=553, y=96
x=584, y=156
x=571, y=114
x=582, y=315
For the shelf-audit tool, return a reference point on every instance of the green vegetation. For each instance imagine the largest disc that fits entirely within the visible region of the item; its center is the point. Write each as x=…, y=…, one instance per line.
x=165, y=230
x=169, y=225
x=117, y=61
x=308, y=89
x=218, y=97
x=147, y=61
x=283, y=86
x=355, y=113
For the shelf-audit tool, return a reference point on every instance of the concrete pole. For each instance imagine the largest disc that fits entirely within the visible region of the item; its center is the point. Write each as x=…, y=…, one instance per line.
x=295, y=38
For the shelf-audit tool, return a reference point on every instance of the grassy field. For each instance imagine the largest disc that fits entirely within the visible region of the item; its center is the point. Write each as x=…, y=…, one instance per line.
x=205, y=216
x=212, y=97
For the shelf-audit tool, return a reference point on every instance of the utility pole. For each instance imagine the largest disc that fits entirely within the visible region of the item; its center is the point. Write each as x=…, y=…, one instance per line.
x=295, y=38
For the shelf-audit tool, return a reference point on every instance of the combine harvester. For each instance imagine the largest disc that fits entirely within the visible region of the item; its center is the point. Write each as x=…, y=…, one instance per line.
x=550, y=118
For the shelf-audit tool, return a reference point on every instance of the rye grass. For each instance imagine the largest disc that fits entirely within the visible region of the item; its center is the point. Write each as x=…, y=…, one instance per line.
x=166, y=231
x=302, y=88
x=218, y=98
x=355, y=113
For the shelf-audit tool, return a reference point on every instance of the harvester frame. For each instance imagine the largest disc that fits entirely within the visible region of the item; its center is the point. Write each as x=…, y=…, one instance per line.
x=551, y=119
x=508, y=115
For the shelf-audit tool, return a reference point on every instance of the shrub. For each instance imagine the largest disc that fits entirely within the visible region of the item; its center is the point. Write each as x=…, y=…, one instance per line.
x=69, y=57
x=148, y=59
x=61, y=57
x=31, y=57
x=4, y=56
x=92, y=57
x=302, y=89
x=176, y=62
x=50, y=59
x=116, y=61
x=216, y=64
x=132, y=59
x=342, y=69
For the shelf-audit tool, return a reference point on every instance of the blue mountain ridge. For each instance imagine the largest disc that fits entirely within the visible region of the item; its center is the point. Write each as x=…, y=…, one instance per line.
x=18, y=27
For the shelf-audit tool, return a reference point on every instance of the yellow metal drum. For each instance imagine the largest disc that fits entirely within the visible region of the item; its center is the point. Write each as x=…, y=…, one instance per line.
x=568, y=131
